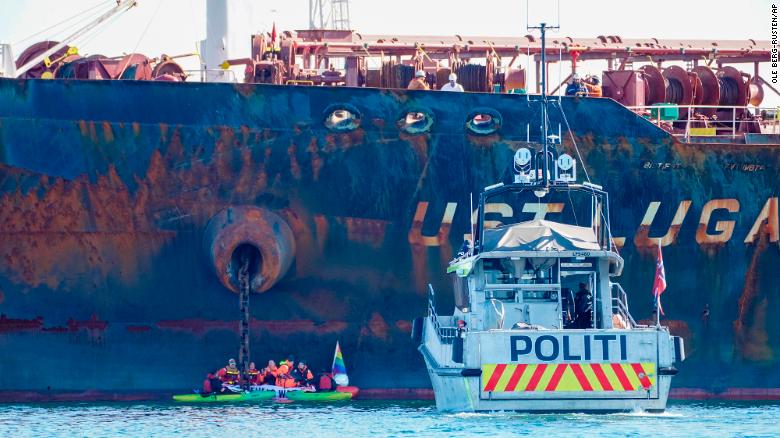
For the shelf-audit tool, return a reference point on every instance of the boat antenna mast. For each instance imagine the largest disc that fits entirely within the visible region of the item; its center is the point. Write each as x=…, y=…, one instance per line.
x=543, y=27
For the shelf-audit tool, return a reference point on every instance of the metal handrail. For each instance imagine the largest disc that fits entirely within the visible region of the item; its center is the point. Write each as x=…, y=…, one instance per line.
x=620, y=304
x=446, y=334
x=202, y=75
x=774, y=122
x=298, y=82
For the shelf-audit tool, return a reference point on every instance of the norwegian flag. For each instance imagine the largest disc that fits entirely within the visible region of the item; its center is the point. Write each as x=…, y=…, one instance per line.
x=659, y=284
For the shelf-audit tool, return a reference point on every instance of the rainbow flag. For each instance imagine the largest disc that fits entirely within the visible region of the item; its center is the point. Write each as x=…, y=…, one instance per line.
x=339, y=370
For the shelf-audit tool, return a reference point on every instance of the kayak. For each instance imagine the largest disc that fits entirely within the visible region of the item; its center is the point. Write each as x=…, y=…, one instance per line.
x=225, y=398
x=340, y=394
x=319, y=396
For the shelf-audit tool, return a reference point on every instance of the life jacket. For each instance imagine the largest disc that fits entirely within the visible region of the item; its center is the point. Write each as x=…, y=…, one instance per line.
x=304, y=377
x=283, y=377
x=230, y=376
x=253, y=376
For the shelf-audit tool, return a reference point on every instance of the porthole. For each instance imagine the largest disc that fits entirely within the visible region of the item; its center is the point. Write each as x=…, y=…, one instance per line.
x=342, y=118
x=416, y=122
x=484, y=121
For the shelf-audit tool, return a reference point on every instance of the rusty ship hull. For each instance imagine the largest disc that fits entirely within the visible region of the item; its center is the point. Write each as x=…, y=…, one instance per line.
x=108, y=283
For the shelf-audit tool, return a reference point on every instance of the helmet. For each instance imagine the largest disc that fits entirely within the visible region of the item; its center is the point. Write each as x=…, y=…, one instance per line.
x=419, y=74
x=453, y=77
x=594, y=80
x=575, y=77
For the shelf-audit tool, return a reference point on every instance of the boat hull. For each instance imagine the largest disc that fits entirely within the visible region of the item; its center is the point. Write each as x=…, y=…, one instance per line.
x=462, y=394
x=583, y=370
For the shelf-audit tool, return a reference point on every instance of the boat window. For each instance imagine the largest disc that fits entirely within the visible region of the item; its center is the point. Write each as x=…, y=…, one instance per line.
x=500, y=294
x=416, y=122
x=539, y=271
x=342, y=117
x=484, y=121
x=518, y=270
x=540, y=295
x=500, y=271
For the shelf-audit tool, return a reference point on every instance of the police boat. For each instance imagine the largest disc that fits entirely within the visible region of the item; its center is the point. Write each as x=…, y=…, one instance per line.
x=539, y=324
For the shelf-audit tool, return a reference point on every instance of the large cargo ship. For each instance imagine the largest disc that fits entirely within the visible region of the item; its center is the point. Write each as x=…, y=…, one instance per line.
x=125, y=205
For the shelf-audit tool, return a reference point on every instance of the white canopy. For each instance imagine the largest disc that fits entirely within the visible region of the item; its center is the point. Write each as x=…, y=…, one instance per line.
x=540, y=235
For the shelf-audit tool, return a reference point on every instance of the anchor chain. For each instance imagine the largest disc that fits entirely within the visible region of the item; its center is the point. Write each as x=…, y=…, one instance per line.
x=243, y=327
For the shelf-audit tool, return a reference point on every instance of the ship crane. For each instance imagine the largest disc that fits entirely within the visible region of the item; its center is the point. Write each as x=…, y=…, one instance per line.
x=121, y=6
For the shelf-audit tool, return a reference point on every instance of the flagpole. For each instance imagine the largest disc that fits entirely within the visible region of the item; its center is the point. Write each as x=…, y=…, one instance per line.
x=657, y=291
x=335, y=352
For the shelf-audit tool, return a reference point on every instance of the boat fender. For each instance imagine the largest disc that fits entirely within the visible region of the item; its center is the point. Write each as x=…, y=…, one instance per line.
x=417, y=329
x=679, y=349
x=457, y=350
x=667, y=371
x=260, y=234
x=471, y=372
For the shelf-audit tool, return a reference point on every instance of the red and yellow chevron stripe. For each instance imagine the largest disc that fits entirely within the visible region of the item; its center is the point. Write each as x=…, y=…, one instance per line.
x=572, y=377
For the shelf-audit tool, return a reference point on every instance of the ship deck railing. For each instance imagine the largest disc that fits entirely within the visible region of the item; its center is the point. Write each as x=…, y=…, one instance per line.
x=620, y=304
x=763, y=120
x=210, y=75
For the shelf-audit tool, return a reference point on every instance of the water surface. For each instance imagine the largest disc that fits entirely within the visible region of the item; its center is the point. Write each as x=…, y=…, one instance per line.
x=378, y=419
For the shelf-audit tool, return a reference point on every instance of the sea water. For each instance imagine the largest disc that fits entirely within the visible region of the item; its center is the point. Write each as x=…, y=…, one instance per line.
x=376, y=419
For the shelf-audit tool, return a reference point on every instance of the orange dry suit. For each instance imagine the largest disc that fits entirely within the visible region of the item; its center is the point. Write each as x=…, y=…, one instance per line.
x=593, y=90
x=418, y=84
x=283, y=377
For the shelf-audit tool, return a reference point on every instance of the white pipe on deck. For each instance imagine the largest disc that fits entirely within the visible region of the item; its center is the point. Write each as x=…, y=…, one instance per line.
x=228, y=36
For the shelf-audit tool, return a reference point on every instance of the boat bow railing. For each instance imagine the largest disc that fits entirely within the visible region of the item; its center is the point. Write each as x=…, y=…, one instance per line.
x=446, y=334
x=620, y=305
